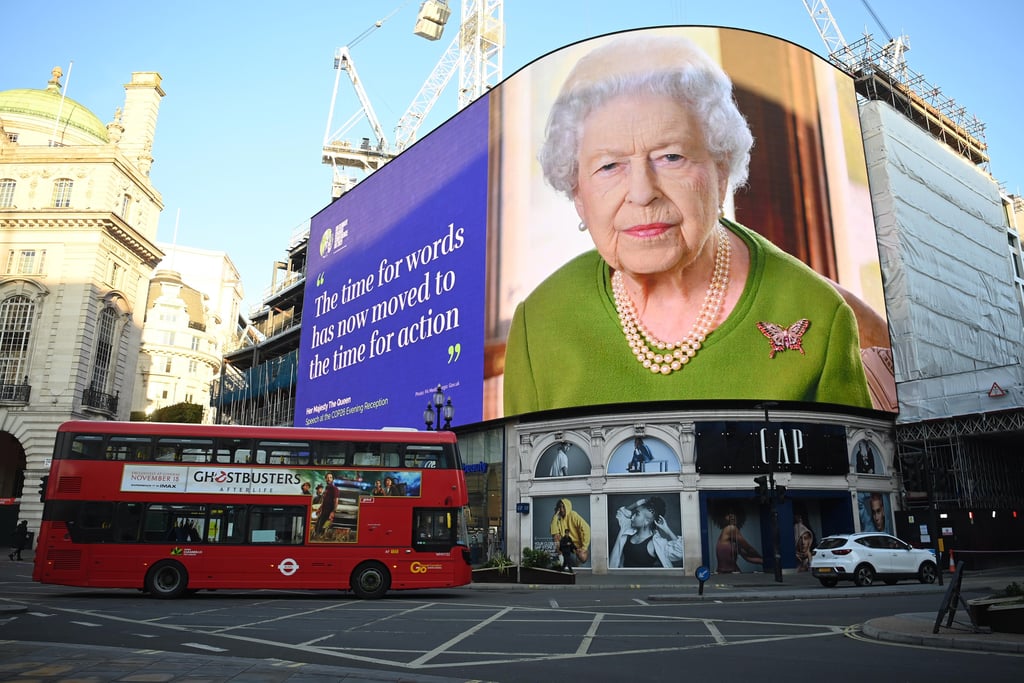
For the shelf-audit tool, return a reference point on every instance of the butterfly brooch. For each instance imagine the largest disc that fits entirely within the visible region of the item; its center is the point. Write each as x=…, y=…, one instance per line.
x=784, y=338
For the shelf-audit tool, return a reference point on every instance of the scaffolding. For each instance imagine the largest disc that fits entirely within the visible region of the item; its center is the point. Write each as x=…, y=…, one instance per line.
x=972, y=461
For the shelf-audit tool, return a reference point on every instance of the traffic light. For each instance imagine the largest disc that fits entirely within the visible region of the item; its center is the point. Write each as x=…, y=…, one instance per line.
x=762, y=488
x=42, y=487
x=780, y=493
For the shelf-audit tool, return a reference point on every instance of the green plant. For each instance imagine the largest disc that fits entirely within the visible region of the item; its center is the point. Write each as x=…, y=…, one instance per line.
x=500, y=561
x=540, y=559
x=1014, y=590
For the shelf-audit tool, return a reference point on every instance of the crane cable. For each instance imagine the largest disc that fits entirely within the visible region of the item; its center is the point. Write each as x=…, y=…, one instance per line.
x=377, y=24
x=877, y=20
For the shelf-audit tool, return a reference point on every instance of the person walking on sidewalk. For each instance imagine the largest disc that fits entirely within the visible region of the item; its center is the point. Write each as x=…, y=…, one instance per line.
x=19, y=540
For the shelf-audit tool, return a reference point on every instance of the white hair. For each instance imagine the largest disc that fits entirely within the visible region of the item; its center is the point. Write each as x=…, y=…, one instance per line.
x=695, y=81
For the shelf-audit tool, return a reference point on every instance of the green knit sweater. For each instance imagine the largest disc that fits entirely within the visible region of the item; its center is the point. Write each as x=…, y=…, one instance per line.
x=566, y=346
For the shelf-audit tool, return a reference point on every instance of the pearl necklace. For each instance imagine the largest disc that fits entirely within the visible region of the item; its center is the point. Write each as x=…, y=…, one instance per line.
x=662, y=357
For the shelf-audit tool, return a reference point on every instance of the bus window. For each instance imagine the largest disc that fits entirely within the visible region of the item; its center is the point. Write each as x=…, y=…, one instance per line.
x=177, y=449
x=128, y=523
x=226, y=524
x=433, y=529
x=174, y=523
x=87, y=446
x=424, y=456
x=237, y=451
x=94, y=523
x=284, y=452
x=128, y=448
x=275, y=524
x=376, y=455
x=333, y=453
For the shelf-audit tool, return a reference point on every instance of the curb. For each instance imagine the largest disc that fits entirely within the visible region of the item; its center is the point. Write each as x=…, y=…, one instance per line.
x=915, y=629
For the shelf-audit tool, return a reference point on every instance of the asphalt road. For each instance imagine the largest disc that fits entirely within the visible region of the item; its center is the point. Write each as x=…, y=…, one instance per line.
x=513, y=633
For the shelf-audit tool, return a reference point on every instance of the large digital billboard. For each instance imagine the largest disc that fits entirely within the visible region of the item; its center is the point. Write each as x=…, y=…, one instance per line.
x=598, y=230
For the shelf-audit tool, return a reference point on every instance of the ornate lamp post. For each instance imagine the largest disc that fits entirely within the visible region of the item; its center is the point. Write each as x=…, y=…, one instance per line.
x=439, y=408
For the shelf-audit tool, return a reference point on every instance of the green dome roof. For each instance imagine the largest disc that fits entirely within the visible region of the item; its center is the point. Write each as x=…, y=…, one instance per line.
x=45, y=104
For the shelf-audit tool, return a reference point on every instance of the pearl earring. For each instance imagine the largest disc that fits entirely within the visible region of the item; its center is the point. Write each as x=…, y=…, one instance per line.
x=582, y=227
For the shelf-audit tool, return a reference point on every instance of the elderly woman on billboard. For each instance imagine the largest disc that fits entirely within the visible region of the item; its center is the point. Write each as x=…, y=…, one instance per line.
x=676, y=302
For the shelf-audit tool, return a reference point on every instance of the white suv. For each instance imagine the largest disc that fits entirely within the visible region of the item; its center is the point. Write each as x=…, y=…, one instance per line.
x=863, y=557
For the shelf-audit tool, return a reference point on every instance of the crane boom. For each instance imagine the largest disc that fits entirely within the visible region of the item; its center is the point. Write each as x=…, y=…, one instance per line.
x=405, y=131
x=475, y=53
x=343, y=62
x=838, y=50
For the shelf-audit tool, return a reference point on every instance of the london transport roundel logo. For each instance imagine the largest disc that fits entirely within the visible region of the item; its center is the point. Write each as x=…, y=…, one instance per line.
x=288, y=566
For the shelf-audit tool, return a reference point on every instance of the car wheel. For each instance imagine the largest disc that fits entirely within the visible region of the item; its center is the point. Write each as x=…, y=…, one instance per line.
x=370, y=581
x=828, y=582
x=864, y=576
x=167, y=580
x=927, y=573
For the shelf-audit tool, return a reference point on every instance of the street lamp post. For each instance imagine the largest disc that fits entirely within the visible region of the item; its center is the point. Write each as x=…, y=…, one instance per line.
x=772, y=501
x=440, y=408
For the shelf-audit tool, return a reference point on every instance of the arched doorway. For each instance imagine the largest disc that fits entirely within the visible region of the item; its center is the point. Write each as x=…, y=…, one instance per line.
x=12, y=479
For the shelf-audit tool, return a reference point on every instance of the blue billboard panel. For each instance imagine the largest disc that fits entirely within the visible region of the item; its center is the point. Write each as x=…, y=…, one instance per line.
x=393, y=304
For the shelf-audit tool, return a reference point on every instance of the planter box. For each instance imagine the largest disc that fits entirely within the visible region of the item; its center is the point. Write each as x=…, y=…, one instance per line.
x=982, y=611
x=494, y=575
x=1006, y=618
x=525, y=574
x=546, y=576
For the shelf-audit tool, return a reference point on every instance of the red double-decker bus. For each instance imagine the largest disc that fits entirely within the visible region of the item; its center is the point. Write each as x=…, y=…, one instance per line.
x=175, y=508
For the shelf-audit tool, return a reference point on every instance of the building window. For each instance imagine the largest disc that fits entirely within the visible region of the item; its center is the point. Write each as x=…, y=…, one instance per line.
x=168, y=364
x=62, y=193
x=195, y=343
x=16, y=315
x=104, y=350
x=126, y=203
x=7, y=186
x=193, y=366
x=25, y=261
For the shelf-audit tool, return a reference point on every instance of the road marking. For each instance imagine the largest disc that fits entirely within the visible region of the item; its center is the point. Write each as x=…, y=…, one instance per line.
x=430, y=654
x=553, y=603
x=641, y=602
x=86, y=623
x=201, y=646
x=588, y=638
x=290, y=615
x=477, y=658
x=719, y=638
x=317, y=640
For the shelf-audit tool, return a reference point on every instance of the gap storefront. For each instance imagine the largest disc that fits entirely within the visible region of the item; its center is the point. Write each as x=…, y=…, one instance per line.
x=694, y=472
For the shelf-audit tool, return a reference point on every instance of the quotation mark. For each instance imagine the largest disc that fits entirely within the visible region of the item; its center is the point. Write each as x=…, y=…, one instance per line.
x=320, y=280
x=454, y=351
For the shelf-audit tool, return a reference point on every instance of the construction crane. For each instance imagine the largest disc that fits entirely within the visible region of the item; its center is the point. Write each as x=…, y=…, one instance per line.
x=475, y=52
x=892, y=57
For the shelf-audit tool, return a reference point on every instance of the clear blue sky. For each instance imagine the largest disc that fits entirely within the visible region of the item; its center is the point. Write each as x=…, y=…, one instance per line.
x=249, y=84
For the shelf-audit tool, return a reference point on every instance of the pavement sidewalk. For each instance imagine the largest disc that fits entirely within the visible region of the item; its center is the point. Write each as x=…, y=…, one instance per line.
x=63, y=663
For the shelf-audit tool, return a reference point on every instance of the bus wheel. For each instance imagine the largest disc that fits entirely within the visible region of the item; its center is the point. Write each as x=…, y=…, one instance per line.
x=370, y=581
x=167, y=579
